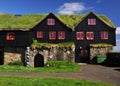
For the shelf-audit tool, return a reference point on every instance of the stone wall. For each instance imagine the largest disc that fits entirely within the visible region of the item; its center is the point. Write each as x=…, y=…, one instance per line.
x=13, y=54
x=53, y=53
x=94, y=51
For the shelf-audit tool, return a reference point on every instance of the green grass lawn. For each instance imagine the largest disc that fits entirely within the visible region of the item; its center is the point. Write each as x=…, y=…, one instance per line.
x=46, y=81
x=57, y=66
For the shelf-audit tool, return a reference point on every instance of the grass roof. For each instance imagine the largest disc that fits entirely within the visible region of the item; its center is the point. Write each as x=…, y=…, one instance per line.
x=106, y=20
x=8, y=21
x=71, y=20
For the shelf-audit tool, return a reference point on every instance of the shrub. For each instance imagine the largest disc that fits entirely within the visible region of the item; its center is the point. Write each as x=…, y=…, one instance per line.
x=16, y=63
x=101, y=56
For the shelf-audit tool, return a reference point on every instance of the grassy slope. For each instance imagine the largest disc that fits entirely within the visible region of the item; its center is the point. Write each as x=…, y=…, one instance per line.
x=46, y=81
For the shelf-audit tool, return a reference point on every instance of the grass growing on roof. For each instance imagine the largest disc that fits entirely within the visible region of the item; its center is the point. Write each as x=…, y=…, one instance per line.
x=71, y=20
x=25, y=21
x=106, y=20
x=9, y=21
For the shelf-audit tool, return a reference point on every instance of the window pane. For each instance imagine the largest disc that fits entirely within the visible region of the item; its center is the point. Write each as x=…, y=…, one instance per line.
x=52, y=35
x=104, y=35
x=91, y=21
x=80, y=35
x=39, y=34
x=50, y=21
x=61, y=35
x=10, y=36
x=90, y=35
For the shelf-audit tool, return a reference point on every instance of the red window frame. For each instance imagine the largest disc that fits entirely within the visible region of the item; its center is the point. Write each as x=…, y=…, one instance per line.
x=52, y=35
x=39, y=34
x=61, y=35
x=79, y=35
x=10, y=36
x=50, y=21
x=90, y=35
x=91, y=21
x=104, y=35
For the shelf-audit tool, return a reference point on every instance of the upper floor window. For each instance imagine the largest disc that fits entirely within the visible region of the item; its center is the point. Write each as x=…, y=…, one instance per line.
x=90, y=35
x=50, y=21
x=10, y=36
x=91, y=21
x=104, y=35
x=39, y=34
x=52, y=35
x=80, y=35
x=61, y=35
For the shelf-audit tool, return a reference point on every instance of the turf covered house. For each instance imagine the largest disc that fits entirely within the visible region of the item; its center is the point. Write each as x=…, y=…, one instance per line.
x=35, y=39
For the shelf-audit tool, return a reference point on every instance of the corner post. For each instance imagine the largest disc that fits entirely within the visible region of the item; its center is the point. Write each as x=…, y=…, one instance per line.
x=27, y=56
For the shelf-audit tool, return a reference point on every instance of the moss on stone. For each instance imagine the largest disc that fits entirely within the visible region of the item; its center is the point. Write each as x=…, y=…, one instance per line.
x=100, y=45
x=48, y=45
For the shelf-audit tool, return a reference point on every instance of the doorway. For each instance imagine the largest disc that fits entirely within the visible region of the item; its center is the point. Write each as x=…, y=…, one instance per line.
x=39, y=61
x=82, y=56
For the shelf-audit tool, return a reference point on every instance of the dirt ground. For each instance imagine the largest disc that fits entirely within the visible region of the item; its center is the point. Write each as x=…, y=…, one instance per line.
x=90, y=72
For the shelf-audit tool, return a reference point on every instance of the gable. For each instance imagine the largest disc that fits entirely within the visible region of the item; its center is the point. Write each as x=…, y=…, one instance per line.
x=58, y=23
x=102, y=18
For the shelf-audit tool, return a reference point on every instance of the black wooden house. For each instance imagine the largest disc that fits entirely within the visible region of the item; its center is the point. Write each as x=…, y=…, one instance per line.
x=81, y=29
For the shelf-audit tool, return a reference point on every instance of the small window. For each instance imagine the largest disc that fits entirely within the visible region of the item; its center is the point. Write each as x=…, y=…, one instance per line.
x=91, y=21
x=83, y=53
x=61, y=35
x=104, y=35
x=50, y=21
x=90, y=35
x=52, y=35
x=80, y=35
x=39, y=34
x=10, y=36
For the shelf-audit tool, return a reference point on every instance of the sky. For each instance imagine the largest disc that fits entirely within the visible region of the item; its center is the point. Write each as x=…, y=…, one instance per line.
x=110, y=8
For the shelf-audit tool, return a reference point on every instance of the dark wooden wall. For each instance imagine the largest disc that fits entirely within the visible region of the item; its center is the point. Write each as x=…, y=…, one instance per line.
x=59, y=26
x=22, y=38
x=100, y=26
x=84, y=44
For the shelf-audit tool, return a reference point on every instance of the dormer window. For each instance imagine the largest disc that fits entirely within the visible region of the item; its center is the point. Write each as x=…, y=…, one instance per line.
x=91, y=21
x=10, y=36
x=50, y=21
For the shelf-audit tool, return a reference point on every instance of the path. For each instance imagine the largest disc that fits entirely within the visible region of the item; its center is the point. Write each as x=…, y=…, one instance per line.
x=90, y=72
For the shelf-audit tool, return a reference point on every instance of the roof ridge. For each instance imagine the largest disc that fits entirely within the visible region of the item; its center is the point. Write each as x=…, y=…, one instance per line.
x=31, y=20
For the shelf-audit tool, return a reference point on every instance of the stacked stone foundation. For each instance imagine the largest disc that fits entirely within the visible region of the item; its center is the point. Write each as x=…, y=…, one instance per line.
x=51, y=53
